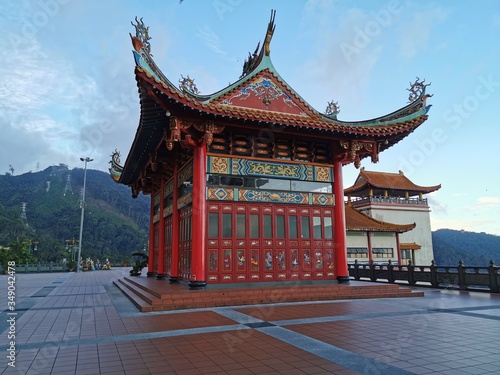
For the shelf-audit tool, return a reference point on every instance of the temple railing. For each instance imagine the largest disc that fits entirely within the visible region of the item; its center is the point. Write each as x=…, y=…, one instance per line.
x=382, y=199
x=461, y=277
x=39, y=267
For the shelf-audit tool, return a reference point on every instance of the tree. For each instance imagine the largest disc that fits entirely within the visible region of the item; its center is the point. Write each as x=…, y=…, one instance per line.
x=11, y=169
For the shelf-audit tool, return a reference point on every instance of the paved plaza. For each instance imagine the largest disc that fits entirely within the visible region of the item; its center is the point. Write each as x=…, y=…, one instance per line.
x=68, y=323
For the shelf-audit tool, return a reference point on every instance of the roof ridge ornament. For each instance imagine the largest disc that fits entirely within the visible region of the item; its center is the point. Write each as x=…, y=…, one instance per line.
x=254, y=59
x=187, y=84
x=142, y=33
x=270, y=32
x=417, y=90
x=332, y=108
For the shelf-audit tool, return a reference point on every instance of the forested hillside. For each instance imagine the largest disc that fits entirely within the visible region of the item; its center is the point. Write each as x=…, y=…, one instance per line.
x=115, y=224
x=475, y=249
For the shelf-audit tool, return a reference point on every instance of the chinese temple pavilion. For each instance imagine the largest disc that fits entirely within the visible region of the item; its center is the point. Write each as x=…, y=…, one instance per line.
x=372, y=240
x=395, y=198
x=246, y=183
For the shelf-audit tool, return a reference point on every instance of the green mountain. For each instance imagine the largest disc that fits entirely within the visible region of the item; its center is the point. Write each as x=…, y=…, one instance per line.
x=475, y=249
x=115, y=224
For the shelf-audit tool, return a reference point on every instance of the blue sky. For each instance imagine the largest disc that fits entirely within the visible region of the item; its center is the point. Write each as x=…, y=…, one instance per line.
x=67, y=86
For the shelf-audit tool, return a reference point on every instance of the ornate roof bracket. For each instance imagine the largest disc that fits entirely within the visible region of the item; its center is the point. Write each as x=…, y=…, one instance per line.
x=356, y=150
x=175, y=133
x=209, y=128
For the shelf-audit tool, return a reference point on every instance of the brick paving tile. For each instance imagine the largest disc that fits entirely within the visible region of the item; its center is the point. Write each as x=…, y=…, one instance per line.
x=86, y=326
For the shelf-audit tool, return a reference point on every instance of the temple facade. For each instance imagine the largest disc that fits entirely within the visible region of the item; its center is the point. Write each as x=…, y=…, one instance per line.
x=392, y=197
x=373, y=241
x=246, y=183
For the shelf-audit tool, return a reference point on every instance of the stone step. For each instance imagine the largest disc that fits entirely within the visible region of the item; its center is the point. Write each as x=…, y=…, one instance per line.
x=149, y=294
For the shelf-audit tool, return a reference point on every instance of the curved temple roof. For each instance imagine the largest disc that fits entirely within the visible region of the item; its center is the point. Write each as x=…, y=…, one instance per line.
x=358, y=221
x=258, y=98
x=386, y=181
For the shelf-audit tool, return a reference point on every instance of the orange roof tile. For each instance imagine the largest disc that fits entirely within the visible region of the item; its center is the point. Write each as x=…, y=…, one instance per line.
x=358, y=221
x=390, y=181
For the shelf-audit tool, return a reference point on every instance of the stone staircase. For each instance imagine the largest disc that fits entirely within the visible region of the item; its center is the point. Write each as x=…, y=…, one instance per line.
x=149, y=294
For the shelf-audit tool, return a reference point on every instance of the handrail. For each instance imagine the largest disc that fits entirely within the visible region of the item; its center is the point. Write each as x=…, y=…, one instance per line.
x=461, y=277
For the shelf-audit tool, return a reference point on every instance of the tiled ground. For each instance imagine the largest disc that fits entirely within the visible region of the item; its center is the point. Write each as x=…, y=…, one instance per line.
x=68, y=323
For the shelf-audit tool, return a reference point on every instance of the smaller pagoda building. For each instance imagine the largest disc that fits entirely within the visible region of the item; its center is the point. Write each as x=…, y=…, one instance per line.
x=393, y=198
x=373, y=241
x=246, y=183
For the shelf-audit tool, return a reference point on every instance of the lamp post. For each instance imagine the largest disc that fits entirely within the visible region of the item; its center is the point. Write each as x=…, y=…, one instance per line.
x=82, y=206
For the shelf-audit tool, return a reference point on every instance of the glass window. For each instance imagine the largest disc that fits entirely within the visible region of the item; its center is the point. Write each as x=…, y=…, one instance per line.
x=268, y=226
x=317, y=226
x=213, y=225
x=273, y=184
x=292, y=226
x=328, y=227
x=305, y=227
x=240, y=225
x=254, y=226
x=227, y=228
x=280, y=227
x=311, y=186
x=212, y=180
x=231, y=181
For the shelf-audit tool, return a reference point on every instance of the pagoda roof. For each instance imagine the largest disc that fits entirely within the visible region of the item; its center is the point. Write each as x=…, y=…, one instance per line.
x=260, y=98
x=357, y=221
x=386, y=181
x=409, y=246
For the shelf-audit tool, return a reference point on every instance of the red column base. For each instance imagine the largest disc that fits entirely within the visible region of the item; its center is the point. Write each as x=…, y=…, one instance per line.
x=173, y=279
x=149, y=274
x=343, y=279
x=196, y=285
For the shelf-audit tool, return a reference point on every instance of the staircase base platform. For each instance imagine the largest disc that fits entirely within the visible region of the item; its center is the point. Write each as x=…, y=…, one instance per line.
x=149, y=294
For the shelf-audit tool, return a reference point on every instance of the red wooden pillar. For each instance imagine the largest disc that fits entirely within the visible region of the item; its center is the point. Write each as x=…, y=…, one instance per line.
x=340, y=248
x=161, y=235
x=174, y=273
x=370, y=253
x=151, y=252
x=398, y=248
x=199, y=219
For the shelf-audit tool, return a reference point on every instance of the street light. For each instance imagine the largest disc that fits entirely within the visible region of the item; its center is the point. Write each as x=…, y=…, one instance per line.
x=82, y=205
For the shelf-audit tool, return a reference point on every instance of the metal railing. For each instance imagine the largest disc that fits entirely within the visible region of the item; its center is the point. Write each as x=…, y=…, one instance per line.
x=39, y=267
x=383, y=199
x=461, y=277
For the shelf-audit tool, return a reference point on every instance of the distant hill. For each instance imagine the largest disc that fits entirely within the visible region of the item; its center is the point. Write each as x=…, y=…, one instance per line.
x=115, y=224
x=475, y=249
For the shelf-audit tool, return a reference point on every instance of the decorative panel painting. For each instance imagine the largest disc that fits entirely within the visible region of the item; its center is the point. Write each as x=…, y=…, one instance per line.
x=249, y=167
x=251, y=195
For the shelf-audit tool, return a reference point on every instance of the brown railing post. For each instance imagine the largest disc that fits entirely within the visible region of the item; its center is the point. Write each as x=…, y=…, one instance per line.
x=411, y=275
x=461, y=275
x=372, y=272
x=494, y=284
x=390, y=275
x=434, y=278
x=356, y=270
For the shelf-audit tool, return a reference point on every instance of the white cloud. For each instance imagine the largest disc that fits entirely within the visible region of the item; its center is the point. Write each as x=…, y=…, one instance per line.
x=416, y=33
x=211, y=40
x=489, y=200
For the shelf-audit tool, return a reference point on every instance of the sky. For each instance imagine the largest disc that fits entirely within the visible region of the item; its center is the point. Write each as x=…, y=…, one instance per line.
x=67, y=86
